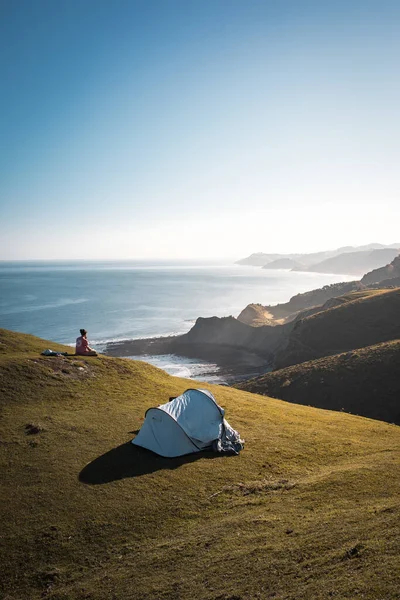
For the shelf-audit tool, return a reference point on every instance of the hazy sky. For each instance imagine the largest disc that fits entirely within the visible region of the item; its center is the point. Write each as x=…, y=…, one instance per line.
x=189, y=128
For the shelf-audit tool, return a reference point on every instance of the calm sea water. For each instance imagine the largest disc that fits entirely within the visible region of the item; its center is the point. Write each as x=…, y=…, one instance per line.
x=131, y=299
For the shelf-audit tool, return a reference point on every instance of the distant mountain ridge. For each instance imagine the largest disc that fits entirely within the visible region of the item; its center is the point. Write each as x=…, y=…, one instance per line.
x=356, y=263
x=353, y=260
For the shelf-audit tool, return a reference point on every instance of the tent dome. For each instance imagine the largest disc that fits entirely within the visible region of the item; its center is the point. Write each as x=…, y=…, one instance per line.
x=189, y=423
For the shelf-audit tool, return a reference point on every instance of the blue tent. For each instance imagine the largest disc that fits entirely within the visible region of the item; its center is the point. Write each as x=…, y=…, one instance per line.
x=189, y=423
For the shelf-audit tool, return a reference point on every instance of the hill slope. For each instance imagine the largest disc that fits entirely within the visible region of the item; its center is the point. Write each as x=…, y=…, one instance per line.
x=299, y=302
x=388, y=272
x=365, y=382
x=359, y=320
x=310, y=508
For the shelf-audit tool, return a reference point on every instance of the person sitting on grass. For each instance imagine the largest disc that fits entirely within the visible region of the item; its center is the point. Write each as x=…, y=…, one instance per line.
x=82, y=345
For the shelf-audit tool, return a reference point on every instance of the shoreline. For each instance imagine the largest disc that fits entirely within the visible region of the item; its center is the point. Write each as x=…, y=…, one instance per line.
x=234, y=364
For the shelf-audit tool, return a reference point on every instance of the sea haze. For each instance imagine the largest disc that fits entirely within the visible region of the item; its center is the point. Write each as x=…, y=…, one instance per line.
x=130, y=299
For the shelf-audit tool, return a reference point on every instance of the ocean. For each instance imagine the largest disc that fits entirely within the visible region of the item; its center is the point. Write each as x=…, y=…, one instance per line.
x=122, y=300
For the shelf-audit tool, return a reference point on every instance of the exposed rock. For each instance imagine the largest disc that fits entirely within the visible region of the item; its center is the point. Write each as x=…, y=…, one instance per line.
x=236, y=347
x=229, y=331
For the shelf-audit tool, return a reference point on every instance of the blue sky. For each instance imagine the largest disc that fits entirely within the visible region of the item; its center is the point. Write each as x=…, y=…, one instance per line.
x=197, y=128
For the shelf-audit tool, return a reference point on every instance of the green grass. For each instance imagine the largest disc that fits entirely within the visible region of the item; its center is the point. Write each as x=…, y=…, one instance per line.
x=364, y=382
x=309, y=510
x=361, y=320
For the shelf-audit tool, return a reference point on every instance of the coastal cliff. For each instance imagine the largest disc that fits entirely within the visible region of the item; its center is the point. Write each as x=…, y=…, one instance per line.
x=237, y=348
x=228, y=331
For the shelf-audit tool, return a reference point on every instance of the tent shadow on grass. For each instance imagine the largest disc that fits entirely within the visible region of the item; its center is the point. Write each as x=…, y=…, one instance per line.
x=128, y=460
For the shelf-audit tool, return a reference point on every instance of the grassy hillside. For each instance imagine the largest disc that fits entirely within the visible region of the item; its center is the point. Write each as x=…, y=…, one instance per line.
x=364, y=381
x=358, y=320
x=306, y=300
x=309, y=510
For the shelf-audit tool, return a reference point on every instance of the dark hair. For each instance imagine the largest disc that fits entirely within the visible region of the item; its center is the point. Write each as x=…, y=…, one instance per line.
x=83, y=331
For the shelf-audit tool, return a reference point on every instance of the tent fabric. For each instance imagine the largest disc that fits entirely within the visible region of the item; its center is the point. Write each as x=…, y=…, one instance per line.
x=161, y=434
x=198, y=415
x=189, y=423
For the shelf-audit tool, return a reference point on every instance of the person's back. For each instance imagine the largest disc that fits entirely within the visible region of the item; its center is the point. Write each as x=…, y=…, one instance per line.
x=82, y=347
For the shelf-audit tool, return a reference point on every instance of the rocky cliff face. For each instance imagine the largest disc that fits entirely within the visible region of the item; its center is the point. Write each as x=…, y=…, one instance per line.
x=228, y=331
